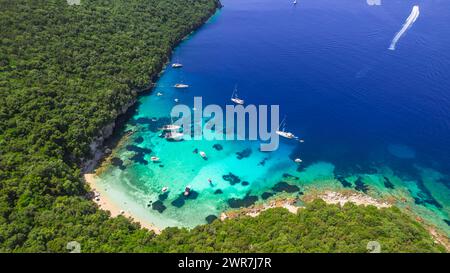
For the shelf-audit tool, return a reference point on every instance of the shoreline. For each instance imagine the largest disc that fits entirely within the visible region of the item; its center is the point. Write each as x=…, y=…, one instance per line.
x=105, y=203
x=331, y=197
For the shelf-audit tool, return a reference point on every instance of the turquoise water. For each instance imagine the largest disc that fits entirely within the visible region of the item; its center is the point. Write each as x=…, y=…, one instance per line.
x=373, y=119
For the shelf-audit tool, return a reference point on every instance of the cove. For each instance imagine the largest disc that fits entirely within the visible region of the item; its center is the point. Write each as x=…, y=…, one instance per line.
x=374, y=120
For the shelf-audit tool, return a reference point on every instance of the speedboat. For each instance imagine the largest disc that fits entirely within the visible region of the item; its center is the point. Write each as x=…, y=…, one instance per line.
x=154, y=159
x=165, y=189
x=298, y=160
x=181, y=86
x=177, y=65
x=203, y=155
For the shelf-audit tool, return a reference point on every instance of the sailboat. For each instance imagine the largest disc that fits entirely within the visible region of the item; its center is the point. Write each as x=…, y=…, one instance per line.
x=235, y=98
x=177, y=64
x=283, y=132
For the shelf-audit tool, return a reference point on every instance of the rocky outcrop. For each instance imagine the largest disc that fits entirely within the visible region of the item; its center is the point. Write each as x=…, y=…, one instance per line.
x=96, y=147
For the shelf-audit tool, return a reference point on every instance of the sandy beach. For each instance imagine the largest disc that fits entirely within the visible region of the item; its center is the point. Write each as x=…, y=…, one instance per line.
x=106, y=204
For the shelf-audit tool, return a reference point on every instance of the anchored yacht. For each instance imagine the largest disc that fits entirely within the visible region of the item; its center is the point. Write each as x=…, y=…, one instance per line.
x=283, y=132
x=235, y=98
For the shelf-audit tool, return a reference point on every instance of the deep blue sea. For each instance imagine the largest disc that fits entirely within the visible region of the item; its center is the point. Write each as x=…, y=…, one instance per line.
x=363, y=110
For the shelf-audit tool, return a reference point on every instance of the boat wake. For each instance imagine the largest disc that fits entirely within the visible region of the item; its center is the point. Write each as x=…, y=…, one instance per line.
x=407, y=25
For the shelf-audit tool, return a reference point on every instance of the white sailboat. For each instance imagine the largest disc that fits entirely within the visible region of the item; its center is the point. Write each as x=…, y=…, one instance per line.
x=283, y=132
x=235, y=98
x=177, y=64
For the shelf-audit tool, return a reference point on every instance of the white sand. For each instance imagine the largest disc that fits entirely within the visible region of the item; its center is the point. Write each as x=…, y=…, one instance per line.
x=106, y=204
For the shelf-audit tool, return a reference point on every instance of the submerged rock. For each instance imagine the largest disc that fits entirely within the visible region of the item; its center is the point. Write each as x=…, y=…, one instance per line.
x=219, y=191
x=159, y=206
x=387, y=183
x=426, y=196
x=218, y=147
x=247, y=201
x=447, y=222
x=245, y=183
x=361, y=186
x=117, y=162
x=163, y=197
x=192, y=195
x=179, y=202
x=243, y=154
x=211, y=218
x=267, y=195
x=139, y=140
x=233, y=179
x=139, y=158
x=283, y=186
x=344, y=182
x=263, y=162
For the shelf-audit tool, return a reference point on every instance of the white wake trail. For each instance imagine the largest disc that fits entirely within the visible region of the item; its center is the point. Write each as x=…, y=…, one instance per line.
x=407, y=25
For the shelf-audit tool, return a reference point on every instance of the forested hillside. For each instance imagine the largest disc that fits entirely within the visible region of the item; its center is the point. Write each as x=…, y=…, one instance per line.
x=317, y=228
x=67, y=71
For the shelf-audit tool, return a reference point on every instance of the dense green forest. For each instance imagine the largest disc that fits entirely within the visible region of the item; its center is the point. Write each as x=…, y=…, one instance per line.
x=67, y=71
x=317, y=228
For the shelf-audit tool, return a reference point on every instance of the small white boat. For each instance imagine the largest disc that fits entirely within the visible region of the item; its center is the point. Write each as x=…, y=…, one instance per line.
x=181, y=86
x=154, y=159
x=176, y=100
x=203, y=155
x=165, y=189
x=187, y=191
x=159, y=94
x=235, y=98
x=283, y=132
x=295, y=2
x=177, y=65
x=298, y=160
x=301, y=140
